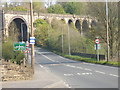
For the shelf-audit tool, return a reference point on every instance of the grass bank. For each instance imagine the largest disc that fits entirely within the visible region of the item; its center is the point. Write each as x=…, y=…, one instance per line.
x=90, y=60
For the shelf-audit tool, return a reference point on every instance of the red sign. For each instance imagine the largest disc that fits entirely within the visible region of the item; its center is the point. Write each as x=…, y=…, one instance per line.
x=27, y=50
x=97, y=41
x=27, y=44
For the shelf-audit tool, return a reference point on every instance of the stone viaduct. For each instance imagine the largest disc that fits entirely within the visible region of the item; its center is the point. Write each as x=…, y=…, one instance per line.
x=24, y=18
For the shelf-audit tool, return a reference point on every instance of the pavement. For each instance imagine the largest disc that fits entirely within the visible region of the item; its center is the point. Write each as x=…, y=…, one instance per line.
x=54, y=71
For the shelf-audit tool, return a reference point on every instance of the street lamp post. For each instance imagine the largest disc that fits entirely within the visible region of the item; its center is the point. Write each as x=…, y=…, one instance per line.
x=107, y=31
x=62, y=41
x=69, y=48
x=22, y=31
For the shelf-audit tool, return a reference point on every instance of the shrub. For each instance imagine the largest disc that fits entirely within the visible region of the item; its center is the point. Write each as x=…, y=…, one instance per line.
x=9, y=54
x=19, y=56
x=7, y=51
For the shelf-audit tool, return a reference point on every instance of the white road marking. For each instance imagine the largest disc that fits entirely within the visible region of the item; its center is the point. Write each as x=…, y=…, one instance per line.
x=88, y=69
x=68, y=74
x=70, y=66
x=89, y=73
x=67, y=85
x=41, y=66
x=84, y=73
x=79, y=67
x=114, y=75
x=46, y=57
x=61, y=57
x=78, y=74
x=100, y=72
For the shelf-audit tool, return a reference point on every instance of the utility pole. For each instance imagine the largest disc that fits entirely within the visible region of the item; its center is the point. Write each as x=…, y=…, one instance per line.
x=62, y=40
x=69, y=48
x=107, y=32
x=32, y=35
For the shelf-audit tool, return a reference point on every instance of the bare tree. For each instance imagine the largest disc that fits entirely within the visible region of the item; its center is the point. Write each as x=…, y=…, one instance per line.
x=98, y=10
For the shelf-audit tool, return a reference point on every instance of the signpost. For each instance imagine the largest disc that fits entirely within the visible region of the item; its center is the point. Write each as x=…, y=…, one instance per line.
x=32, y=40
x=19, y=46
x=97, y=41
x=97, y=47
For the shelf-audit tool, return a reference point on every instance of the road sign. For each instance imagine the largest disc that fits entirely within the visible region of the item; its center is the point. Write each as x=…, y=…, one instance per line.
x=32, y=40
x=27, y=50
x=97, y=46
x=19, y=46
x=97, y=41
x=27, y=44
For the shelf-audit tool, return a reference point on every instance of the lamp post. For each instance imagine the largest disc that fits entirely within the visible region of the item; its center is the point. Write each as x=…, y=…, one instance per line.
x=107, y=31
x=22, y=30
x=62, y=41
x=69, y=48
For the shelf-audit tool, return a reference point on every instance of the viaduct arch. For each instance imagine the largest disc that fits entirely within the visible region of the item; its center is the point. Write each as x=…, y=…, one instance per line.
x=82, y=23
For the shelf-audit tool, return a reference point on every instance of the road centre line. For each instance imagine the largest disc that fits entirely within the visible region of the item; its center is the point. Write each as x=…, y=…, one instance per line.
x=70, y=66
x=47, y=57
x=79, y=67
x=78, y=74
x=114, y=75
x=87, y=69
x=100, y=72
x=68, y=74
x=91, y=70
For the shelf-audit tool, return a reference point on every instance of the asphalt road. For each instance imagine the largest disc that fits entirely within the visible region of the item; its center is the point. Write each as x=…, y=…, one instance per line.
x=77, y=74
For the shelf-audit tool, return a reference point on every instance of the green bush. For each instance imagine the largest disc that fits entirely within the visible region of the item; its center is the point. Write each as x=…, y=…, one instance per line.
x=9, y=54
x=19, y=56
x=7, y=50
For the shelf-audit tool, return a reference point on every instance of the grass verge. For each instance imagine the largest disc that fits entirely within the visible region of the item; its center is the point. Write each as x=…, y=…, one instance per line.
x=89, y=60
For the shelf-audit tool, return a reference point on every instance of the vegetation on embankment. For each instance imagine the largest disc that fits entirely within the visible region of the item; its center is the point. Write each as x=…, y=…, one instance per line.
x=91, y=60
x=55, y=38
x=88, y=60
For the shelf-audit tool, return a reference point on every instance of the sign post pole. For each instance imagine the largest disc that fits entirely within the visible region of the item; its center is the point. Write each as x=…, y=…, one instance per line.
x=97, y=47
x=32, y=35
x=97, y=52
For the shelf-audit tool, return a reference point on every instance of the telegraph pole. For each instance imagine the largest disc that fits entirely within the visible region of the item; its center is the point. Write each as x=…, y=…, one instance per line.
x=107, y=32
x=69, y=48
x=62, y=40
x=32, y=35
